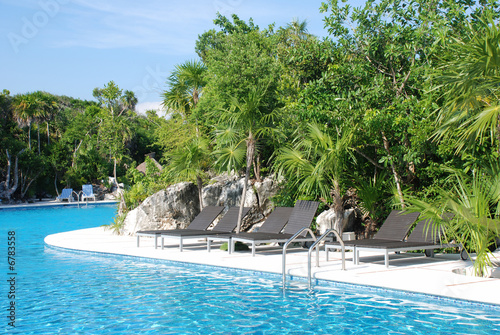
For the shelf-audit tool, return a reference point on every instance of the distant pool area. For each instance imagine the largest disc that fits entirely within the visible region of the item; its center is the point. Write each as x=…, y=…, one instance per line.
x=61, y=291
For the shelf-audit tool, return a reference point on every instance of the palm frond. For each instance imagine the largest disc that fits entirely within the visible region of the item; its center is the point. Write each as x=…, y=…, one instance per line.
x=230, y=158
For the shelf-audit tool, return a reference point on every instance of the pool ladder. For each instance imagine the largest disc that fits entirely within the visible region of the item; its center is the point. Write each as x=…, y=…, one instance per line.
x=315, y=245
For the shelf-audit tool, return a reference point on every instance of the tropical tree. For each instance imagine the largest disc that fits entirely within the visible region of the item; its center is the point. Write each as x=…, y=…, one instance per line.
x=468, y=80
x=316, y=164
x=190, y=162
x=251, y=118
x=185, y=87
x=128, y=100
x=468, y=211
x=115, y=127
x=50, y=106
x=25, y=108
x=298, y=29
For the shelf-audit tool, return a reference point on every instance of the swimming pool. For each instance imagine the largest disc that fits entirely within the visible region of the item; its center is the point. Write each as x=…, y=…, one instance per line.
x=64, y=292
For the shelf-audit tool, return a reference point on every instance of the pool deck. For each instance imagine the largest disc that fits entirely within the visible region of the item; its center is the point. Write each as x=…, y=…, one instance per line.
x=408, y=272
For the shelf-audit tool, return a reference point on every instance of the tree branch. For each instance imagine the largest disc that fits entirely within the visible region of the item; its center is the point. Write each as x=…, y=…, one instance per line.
x=369, y=159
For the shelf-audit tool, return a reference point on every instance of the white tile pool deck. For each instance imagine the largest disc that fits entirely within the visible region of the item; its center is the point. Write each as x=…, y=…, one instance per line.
x=408, y=272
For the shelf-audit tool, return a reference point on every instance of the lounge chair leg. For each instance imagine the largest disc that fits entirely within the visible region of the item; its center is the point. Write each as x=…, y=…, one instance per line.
x=327, y=254
x=209, y=244
x=229, y=246
x=162, y=243
x=138, y=237
x=156, y=241
x=253, y=249
x=386, y=258
x=180, y=245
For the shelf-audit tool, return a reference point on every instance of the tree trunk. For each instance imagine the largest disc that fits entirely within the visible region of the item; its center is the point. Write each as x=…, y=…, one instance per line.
x=26, y=183
x=338, y=207
x=55, y=183
x=114, y=171
x=48, y=134
x=9, y=190
x=250, y=153
x=29, y=135
x=9, y=163
x=411, y=165
x=393, y=168
x=38, y=133
x=73, y=162
x=199, y=181
x=498, y=133
x=256, y=168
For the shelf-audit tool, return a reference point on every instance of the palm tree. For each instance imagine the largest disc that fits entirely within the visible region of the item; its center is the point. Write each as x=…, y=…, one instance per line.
x=128, y=100
x=185, y=86
x=298, y=29
x=470, y=83
x=191, y=162
x=25, y=110
x=48, y=107
x=249, y=118
x=315, y=165
x=468, y=211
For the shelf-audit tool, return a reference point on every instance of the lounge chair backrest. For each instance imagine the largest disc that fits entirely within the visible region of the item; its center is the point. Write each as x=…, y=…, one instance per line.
x=207, y=215
x=396, y=226
x=66, y=193
x=276, y=220
x=230, y=220
x=421, y=234
x=302, y=216
x=87, y=190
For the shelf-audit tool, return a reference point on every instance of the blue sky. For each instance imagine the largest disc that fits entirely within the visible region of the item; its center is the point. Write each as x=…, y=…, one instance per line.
x=69, y=47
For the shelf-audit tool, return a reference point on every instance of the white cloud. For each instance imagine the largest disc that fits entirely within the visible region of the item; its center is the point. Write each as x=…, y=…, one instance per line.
x=142, y=107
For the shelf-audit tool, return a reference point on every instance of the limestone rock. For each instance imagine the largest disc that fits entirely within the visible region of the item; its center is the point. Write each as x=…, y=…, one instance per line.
x=174, y=207
x=326, y=221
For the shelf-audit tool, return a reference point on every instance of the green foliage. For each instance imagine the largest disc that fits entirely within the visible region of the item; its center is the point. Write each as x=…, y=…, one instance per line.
x=468, y=210
x=238, y=246
x=77, y=141
x=143, y=185
x=117, y=224
x=173, y=133
x=185, y=87
x=189, y=162
x=373, y=194
x=316, y=163
x=468, y=81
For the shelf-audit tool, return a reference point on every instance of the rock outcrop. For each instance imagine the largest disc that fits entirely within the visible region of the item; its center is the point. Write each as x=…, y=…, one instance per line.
x=171, y=208
x=326, y=221
x=176, y=206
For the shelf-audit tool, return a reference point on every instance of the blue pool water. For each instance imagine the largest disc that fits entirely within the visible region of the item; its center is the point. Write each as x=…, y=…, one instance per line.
x=63, y=292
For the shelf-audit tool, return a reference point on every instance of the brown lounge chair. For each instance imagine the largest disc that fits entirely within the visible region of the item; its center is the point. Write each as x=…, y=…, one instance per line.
x=273, y=224
x=300, y=218
x=418, y=240
x=225, y=225
x=395, y=229
x=201, y=222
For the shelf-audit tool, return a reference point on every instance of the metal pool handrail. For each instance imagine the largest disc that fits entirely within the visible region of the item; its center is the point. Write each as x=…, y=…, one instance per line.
x=315, y=245
x=285, y=246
